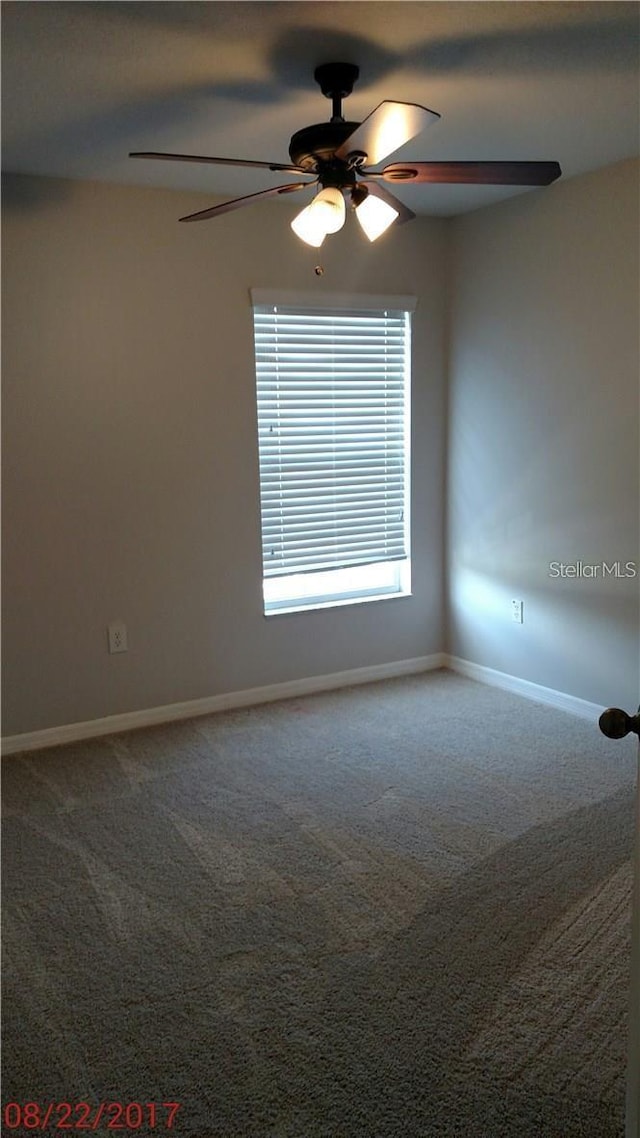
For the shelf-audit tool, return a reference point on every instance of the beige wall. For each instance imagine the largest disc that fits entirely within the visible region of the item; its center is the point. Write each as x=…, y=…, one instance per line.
x=543, y=437
x=130, y=452
x=130, y=457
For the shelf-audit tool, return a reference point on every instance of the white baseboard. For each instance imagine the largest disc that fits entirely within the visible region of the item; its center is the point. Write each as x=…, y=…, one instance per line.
x=526, y=688
x=190, y=709
x=130, y=720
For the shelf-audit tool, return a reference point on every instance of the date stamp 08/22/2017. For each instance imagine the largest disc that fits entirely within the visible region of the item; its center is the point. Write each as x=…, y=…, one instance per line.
x=110, y=1116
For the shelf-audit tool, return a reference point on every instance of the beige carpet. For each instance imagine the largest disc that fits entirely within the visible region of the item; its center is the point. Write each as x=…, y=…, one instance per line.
x=400, y=909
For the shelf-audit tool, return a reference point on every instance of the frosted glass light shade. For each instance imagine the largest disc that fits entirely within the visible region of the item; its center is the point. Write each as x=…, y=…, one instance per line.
x=375, y=216
x=334, y=211
x=308, y=226
x=325, y=214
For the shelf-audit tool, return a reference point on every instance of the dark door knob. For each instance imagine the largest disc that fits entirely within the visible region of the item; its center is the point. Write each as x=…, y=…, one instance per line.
x=615, y=723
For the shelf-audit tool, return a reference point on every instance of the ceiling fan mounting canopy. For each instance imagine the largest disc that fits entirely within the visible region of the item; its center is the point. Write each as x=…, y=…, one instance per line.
x=336, y=79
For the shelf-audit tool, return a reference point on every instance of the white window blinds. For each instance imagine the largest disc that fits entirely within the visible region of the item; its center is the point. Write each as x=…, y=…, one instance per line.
x=332, y=389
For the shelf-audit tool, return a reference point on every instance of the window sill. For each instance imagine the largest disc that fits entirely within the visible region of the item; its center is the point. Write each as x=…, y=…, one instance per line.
x=334, y=602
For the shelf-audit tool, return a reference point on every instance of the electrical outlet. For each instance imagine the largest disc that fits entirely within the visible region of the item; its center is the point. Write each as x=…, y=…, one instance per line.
x=517, y=611
x=117, y=631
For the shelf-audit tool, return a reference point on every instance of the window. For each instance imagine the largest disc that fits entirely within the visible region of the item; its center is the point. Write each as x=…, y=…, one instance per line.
x=333, y=432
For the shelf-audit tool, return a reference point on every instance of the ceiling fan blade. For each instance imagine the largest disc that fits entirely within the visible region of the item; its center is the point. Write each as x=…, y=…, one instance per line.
x=474, y=173
x=378, y=191
x=287, y=167
x=386, y=129
x=237, y=203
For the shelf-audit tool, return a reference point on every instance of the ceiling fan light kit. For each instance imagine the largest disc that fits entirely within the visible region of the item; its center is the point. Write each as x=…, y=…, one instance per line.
x=338, y=156
x=326, y=214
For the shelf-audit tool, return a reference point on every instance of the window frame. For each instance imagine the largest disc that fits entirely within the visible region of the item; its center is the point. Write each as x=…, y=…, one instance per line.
x=394, y=576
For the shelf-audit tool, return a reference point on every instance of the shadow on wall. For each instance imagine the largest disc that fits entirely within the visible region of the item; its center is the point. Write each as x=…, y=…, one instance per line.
x=21, y=193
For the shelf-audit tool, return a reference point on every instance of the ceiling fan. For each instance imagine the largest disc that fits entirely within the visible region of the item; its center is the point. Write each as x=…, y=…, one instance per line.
x=339, y=155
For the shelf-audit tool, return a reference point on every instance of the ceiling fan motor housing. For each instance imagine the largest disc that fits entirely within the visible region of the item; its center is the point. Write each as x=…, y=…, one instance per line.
x=314, y=146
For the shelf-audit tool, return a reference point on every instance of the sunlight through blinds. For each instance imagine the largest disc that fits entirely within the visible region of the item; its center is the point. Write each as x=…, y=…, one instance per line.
x=333, y=436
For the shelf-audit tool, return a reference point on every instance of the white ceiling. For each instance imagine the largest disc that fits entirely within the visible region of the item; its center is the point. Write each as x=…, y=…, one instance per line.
x=85, y=83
